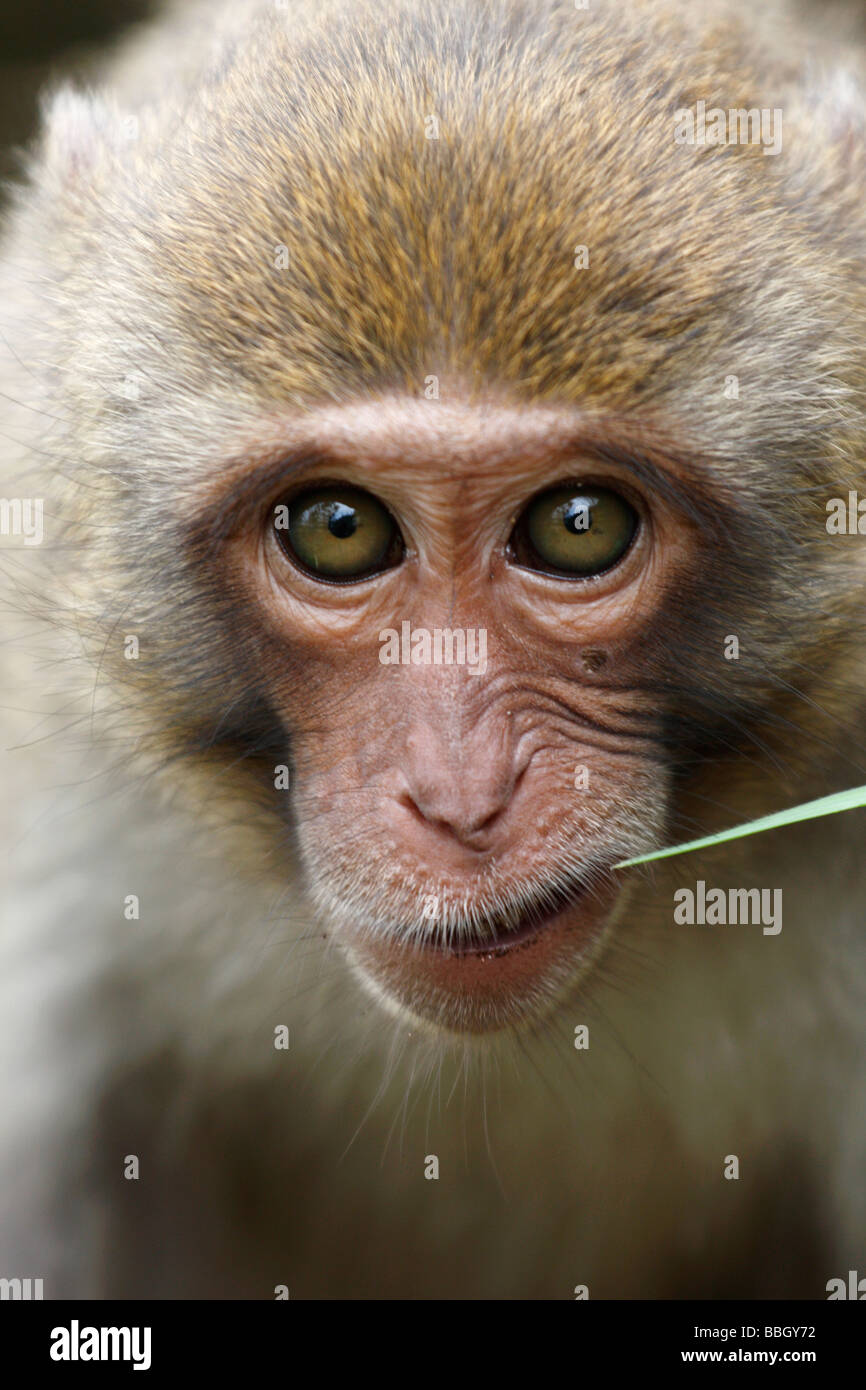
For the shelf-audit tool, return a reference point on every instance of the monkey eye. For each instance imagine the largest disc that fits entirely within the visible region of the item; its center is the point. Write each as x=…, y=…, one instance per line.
x=574, y=532
x=338, y=533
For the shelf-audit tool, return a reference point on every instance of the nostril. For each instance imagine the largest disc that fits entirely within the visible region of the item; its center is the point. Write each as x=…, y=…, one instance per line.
x=408, y=803
x=485, y=824
x=458, y=822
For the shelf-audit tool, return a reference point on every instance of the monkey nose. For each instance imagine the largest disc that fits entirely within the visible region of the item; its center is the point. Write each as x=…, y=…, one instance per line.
x=461, y=793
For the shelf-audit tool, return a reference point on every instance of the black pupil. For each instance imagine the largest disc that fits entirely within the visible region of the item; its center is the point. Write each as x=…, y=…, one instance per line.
x=342, y=522
x=577, y=516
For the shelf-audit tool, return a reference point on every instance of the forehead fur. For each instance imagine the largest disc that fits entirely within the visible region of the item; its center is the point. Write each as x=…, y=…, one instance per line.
x=454, y=256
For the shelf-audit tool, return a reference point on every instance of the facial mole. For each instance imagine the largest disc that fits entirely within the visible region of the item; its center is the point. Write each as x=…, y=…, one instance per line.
x=593, y=659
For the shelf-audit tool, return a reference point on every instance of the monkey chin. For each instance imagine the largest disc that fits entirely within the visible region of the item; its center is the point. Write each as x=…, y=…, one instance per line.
x=474, y=988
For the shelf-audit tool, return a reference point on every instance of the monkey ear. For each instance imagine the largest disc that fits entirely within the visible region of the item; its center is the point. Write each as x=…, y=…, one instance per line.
x=79, y=129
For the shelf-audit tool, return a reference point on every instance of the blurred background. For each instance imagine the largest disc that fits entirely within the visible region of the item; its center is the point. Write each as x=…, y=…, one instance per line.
x=44, y=40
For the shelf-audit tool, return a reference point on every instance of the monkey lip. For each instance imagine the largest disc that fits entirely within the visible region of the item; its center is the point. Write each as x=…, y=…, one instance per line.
x=478, y=986
x=504, y=938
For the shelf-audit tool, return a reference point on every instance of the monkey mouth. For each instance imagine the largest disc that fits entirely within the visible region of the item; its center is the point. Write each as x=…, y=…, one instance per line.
x=504, y=938
x=510, y=977
x=508, y=932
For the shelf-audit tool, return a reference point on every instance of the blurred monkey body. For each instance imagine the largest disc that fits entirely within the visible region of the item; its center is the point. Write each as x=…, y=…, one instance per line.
x=230, y=278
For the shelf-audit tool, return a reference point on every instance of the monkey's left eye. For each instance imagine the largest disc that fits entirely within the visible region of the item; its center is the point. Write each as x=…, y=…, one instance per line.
x=574, y=532
x=338, y=534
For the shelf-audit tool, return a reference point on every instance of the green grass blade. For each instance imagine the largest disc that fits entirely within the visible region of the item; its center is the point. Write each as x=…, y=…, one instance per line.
x=824, y=806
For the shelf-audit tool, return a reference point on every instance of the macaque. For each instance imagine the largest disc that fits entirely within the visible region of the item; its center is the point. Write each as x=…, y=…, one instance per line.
x=419, y=424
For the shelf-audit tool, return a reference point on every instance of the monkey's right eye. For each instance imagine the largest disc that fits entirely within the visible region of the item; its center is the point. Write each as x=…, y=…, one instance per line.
x=338, y=534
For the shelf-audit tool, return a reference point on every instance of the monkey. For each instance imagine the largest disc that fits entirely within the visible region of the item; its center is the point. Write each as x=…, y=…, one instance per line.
x=417, y=449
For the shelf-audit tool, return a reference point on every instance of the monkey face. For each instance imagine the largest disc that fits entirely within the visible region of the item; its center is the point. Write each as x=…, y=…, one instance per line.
x=449, y=605
x=489, y=637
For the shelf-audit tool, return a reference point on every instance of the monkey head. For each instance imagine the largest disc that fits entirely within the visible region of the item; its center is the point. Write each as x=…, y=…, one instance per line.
x=412, y=461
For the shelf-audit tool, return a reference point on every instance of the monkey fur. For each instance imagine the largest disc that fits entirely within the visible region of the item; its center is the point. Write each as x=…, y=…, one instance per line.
x=151, y=344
